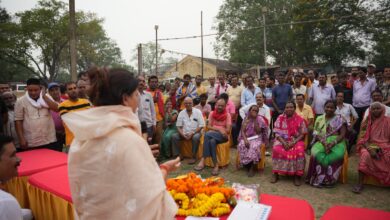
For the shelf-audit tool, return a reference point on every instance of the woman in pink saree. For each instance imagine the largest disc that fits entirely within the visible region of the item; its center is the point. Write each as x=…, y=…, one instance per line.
x=374, y=147
x=288, y=156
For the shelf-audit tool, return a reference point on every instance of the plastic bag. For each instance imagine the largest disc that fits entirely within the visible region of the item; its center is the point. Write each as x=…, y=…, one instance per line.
x=248, y=193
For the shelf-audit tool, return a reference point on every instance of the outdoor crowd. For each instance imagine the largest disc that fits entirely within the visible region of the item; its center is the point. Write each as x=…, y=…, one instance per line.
x=296, y=112
x=290, y=113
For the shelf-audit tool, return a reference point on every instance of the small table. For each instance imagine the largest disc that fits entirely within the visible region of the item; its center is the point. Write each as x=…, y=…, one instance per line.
x=352, y=213
x=33, y=161
x=49, y=194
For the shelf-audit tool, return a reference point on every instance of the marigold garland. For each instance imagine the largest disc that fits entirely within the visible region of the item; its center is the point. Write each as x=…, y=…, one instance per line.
x=197, y=197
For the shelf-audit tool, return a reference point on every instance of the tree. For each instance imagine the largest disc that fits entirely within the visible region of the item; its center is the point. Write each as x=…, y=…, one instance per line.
x=40, y=41
x=240, y=30
x=93, y=45
x=12, y=69
x=381, y=35
x=149, y=57
x=337, y=36
x=298, y=31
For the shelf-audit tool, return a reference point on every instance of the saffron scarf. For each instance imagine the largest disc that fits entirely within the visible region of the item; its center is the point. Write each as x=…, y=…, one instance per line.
x=160, y=100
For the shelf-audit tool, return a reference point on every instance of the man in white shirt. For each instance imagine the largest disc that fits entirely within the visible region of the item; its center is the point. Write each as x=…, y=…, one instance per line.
x=33, y=122
x=263, y=108
x=189, y=125
x=9, y=162
x=298, y=88
x=346, y=110
x=350, y=115
x=146, y=110
x=371, y=72
x=211, y=92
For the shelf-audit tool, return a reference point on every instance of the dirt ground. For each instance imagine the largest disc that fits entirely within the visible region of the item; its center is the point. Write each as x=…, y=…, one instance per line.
x=321, y=199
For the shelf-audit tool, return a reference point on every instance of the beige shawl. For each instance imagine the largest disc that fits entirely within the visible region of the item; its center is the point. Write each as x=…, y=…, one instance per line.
x=112, y=172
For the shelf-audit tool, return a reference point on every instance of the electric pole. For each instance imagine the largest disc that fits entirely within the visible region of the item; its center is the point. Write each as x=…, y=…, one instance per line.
x=72, y=41
x=156, y=28
x=140, y=60
x=201, y=39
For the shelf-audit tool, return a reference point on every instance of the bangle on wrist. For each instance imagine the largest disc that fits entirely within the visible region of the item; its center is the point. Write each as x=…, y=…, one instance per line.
x=164, y=167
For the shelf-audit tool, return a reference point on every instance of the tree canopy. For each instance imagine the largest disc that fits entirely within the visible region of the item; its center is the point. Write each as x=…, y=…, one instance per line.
x=303, y=32
x=37, y=40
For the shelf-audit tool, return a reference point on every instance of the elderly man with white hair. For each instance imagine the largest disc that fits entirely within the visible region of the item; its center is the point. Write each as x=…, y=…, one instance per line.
x=189, y=125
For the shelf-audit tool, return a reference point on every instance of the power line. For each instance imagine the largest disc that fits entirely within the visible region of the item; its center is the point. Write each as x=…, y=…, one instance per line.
x=187, y=37
x=262, y=26
x=176, y=52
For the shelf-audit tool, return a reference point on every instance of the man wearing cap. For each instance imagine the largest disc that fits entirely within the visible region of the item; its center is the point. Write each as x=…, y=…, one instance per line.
x=55, y=93
x=371, y=72
x=73, y=104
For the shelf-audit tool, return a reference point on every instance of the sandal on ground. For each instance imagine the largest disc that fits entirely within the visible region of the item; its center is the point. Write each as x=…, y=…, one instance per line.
x=198, y=168
x=192, y=161
x=275, y=179
x=215, y=172
x=252, y=171
x=329, y=185
x=357, y=189
x=297, y=181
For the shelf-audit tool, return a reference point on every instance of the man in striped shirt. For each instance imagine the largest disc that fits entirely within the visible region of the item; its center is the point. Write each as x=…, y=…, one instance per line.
x=74, y=103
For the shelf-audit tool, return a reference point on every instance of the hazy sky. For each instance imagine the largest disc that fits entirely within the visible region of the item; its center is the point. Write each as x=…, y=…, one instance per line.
x=130, y=22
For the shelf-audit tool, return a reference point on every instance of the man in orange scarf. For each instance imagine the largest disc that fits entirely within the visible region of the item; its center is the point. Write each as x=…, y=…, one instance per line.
x=158, y=99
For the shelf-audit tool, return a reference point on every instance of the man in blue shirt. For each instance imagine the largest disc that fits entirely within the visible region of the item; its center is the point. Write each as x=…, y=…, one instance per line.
x=248, y=95
x=280, y=95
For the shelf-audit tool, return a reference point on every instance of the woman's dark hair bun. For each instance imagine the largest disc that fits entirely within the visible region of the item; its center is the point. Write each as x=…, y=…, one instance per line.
x=109, y=85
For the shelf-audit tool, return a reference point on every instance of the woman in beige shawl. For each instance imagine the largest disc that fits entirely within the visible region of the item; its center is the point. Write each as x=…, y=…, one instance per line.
x=112, y=172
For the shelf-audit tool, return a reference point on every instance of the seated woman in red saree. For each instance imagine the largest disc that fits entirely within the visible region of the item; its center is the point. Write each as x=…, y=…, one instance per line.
x=288, y=157
x=374, y=146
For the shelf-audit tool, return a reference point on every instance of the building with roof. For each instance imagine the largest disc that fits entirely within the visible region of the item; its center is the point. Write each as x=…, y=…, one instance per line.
x=193, y=65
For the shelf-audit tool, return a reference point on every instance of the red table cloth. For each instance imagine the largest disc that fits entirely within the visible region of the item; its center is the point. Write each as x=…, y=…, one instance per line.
x=39, y=160
x=54, y=181
x=284, y=208
x=352, y=213
x=49, y=194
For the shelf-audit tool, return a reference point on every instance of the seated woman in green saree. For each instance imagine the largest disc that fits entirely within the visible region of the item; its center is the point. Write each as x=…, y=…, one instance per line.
x=327, y=153
x=170, y=129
